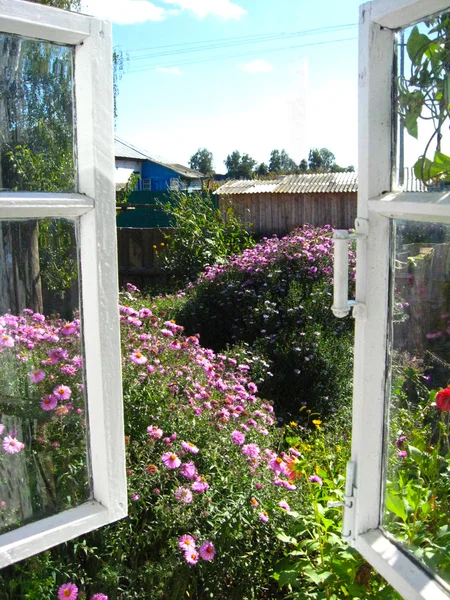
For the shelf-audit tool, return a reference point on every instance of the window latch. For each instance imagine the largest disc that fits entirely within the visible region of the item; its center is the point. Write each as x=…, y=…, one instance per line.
x=341, y=303
x=348, y=504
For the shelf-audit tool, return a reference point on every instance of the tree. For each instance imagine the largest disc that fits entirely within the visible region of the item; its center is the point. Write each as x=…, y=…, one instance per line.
x=202, y=161
x=303, y=166
x=281, y=162
x=322, y=160
x=262, y=170
x=239, y=167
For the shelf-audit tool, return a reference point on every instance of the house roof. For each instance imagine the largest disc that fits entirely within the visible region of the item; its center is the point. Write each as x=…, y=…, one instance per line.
x=123, y=149
x=315, y=183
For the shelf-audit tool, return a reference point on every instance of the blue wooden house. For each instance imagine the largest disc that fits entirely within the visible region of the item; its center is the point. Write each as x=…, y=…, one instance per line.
x=156, y=174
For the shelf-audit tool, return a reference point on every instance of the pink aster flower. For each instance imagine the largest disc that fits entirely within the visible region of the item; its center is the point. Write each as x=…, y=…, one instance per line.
x=207, y=551
x=190, y=447
x=184, y=495
x=99, y=597
x=402, y=454
x=277, y=465
x=49, y=402
x=37, y=376
x=315, y=479
x=11, y=444
x=186, y=542
x=145, y=313
x=171, y=460
x=68, y=328
x=138, y=358
x=191, y=557
x=68, y=591
x=264, y=517
x=200, y=485
x=189, y=470
x=6, y=340
x=284, y=505
x=238, y=437
x=62, y=392
x=251, y=450
x=154, y=432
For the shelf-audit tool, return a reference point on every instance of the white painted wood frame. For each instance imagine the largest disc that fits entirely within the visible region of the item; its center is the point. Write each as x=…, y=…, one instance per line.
x=378, y=203
x=94, y=209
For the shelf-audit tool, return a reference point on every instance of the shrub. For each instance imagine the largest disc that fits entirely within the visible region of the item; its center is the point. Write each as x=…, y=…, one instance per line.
x=202, y=235
x=276, y=298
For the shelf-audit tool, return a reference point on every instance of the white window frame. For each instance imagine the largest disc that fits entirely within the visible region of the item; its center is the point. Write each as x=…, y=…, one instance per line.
x=94, y=206
x=146, y=185
x=379, y=201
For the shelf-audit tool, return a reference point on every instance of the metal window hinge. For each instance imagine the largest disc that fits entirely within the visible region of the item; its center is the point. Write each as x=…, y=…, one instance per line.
x=348, y=505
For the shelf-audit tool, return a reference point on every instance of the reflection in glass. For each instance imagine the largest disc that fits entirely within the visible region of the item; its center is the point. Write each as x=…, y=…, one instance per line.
x=36, y=116
x=417, y=495
x=43, y=453
x=423, y=140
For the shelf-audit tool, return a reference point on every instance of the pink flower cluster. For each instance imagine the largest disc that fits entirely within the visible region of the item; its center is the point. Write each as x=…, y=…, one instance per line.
x=206, y=551
x=69, y=591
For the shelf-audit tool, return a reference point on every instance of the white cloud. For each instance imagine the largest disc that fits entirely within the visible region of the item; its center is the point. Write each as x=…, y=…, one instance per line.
x=124, y=12
x=256, y=66
x=202, y=8
x=172, y=70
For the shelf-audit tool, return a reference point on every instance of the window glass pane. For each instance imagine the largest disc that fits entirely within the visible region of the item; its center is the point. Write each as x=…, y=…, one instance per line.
x=43, y=459
x=36, y=116
x=417, y=496
x=423, y=92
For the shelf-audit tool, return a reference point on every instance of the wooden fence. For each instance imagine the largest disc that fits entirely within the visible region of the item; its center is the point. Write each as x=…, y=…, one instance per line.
x=139, y=252
x=280, y=213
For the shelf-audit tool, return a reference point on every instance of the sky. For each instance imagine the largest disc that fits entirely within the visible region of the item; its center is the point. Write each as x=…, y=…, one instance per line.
x=246, y=75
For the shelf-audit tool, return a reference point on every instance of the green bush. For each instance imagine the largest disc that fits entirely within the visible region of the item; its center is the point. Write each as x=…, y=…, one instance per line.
x=276, y=298
x=202, y=236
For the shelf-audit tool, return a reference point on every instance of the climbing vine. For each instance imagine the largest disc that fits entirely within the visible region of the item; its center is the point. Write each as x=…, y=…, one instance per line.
x=425, y=94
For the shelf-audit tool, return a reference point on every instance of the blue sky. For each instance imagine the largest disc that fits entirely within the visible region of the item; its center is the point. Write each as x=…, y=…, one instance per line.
x=291, y=90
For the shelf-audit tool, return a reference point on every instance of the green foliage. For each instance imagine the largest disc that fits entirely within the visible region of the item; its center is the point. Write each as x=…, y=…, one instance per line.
x=124, y=193
x=276, y=299
x=202, y=235
x=418, y=480
x=318, y=564
x=202, y=161
x=425, y=94
x=239, y=167
x=281, y=162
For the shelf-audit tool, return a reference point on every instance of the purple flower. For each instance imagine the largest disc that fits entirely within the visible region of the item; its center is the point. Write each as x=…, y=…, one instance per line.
x=49, y=402
x=315, y=479
x=238, y=437
x=37, y=376
x=200, y=485
x=171, y=460
x=184, y=495
x=138, y=358
x=190, y=447
x=68, y=591
x=402, y=454
x=135, y=497
x=99, y=597
x=11, y=444
x=186, y=542
x=251, y=450
x=263, y=516
x=191, y=557
x=154, y=432
x=207, y=551
x=284, y=505
x=62, y=392
x=189, y=470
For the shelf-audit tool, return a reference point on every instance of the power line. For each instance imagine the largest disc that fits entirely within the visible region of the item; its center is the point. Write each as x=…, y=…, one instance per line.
x=233, y=41
x=240, y=55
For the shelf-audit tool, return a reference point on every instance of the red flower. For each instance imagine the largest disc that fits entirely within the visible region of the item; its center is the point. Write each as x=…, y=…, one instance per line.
x=443, y=399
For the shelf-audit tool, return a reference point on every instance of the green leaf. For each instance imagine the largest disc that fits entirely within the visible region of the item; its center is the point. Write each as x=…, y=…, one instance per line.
x=286, y=538
x=410, y=121
x=316, y=576
x=416, y=45
x=395, y=505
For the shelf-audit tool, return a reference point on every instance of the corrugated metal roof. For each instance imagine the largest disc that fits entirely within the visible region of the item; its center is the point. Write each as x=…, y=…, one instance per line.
x=123, y=149
x=316, y=183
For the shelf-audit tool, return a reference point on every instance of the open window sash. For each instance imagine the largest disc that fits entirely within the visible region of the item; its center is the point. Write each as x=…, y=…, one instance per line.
x=380, y=202
x=92, y=208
